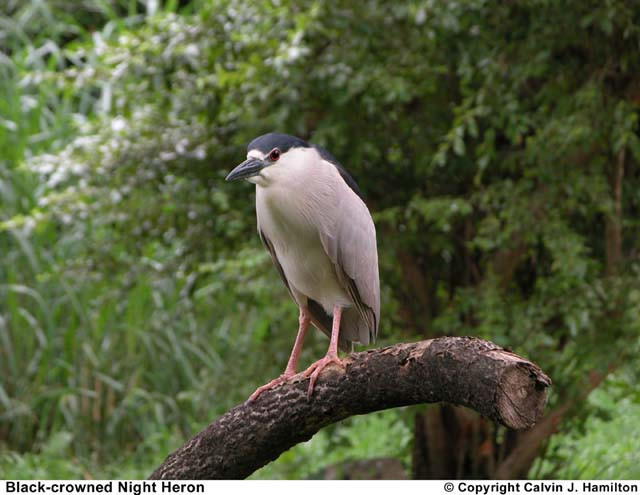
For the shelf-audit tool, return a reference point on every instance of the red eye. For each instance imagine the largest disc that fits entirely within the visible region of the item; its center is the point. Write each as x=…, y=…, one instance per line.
x=274, y=155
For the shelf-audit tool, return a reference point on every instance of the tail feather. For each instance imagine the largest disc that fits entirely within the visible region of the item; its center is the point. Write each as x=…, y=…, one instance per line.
x=352, y=327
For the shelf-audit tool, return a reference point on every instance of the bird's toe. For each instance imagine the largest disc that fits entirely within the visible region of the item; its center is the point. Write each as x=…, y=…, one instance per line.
x=272, y=384
x=316, y=368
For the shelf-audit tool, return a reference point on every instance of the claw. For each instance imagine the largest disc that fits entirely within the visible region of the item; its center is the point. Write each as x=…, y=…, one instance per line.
x=272, y=384
x=316, y=368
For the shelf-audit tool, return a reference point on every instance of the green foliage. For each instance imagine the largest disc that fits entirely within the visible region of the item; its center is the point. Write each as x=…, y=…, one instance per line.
x=361, y=437
x=497, y=146
x=604, y=447
x=56, y=459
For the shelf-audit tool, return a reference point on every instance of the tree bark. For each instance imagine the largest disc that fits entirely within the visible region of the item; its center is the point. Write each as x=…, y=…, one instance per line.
x=460, y=370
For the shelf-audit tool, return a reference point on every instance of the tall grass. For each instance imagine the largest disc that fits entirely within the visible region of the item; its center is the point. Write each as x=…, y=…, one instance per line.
x=107, y=360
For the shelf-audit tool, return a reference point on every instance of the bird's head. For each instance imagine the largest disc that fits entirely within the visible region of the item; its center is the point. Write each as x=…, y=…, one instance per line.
x=288, y=160
x=269, y=156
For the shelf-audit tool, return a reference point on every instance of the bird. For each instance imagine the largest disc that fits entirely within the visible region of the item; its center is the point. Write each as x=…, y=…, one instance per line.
x=321, y=238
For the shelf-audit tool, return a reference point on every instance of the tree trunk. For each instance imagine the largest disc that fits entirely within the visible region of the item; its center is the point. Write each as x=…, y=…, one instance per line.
x=613, y=222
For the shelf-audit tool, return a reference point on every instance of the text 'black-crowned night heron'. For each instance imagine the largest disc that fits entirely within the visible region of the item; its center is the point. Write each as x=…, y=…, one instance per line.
x=322, y=240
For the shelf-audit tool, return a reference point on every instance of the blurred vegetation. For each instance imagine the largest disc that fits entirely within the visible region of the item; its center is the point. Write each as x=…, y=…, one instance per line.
x=496, y=144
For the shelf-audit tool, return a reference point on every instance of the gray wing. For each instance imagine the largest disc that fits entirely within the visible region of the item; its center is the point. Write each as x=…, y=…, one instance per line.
x=272, y=252
x=319, y=317
x=350, y=242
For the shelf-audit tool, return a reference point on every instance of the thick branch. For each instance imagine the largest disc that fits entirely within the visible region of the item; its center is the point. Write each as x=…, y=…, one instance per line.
x=460, y=370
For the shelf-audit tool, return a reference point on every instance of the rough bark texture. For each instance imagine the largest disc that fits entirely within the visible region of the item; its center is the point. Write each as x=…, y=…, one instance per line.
x=460, y=370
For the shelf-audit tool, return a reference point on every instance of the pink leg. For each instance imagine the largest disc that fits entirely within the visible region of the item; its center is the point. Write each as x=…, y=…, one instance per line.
x=290, y=371
x=332, y=354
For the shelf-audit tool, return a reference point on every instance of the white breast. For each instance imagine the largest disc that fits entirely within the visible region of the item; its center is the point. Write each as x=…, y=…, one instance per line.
x=289, y=215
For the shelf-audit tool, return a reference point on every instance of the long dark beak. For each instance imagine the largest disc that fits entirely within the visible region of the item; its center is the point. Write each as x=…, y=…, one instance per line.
x=246, y=169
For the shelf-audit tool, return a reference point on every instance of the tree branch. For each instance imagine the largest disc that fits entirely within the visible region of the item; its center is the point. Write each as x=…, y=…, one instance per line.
x=461, y=370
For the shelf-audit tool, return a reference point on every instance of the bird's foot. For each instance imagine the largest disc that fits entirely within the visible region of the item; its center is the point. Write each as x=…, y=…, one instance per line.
x=316, y=368
x=272, y=384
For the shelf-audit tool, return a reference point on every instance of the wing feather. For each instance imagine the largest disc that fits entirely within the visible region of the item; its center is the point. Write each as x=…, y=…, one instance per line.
x=350, y=243
x=319, y=317
x=272, y=252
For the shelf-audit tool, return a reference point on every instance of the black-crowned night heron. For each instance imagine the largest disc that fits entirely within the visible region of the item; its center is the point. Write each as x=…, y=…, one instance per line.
x=322, y=240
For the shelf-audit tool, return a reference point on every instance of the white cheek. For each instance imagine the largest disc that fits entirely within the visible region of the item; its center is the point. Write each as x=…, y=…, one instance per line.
x=292, y=170
x=271, y=172
x=264, y=178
